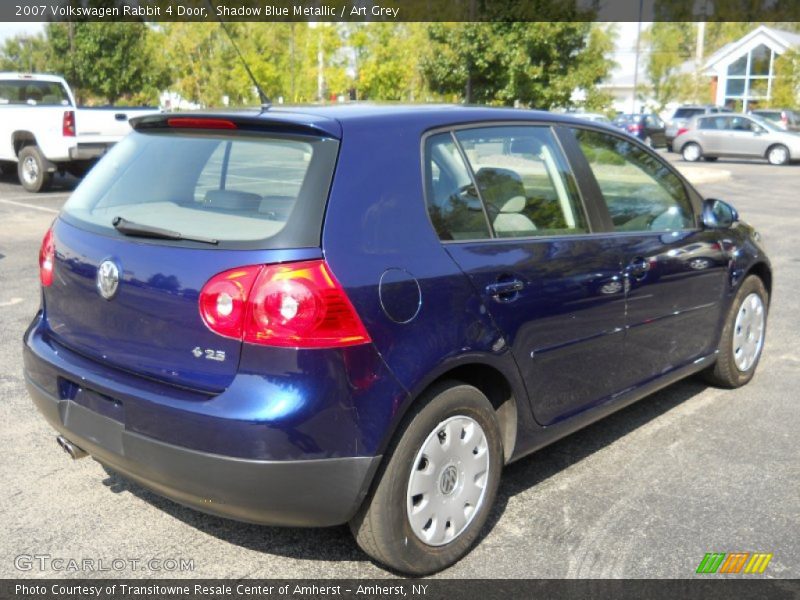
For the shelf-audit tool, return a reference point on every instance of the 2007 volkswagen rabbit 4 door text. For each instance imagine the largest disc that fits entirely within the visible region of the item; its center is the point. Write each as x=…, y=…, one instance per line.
x=359, y=314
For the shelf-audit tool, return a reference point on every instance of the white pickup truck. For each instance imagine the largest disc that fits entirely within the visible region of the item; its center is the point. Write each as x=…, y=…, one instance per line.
x=43, y=131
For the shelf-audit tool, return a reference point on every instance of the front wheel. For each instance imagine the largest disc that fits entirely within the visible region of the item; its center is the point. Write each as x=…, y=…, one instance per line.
x=691, y=152
x=438, y=484
x=778, y=155
x=32, y=170
x=742, y=336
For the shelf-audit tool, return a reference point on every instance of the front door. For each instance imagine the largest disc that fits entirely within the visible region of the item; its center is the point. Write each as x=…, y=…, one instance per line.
x=505, y=202
x=674, y=271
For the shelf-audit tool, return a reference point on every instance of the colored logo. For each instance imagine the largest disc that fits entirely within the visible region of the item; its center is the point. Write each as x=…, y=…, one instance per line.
x=734, y=562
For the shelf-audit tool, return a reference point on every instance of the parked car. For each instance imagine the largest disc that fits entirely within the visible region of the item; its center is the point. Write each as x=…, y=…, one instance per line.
x=593, y=117
x=43, y=131
x=647, y=127
x=682, y=116
x=735, y=135
x=783, y=118
x=244, y=313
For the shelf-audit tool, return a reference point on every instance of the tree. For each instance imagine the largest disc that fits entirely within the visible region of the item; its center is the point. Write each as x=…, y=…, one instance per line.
x=536, y=64
x=387, y=60
x=786, y=88
x=670, y=46
x=24, y=53
x=107, y=60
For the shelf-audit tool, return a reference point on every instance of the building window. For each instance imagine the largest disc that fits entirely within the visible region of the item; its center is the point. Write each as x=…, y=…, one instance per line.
x=750, y=78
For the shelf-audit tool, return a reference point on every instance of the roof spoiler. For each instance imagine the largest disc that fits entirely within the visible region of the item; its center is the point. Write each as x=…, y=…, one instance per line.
x=276, y=122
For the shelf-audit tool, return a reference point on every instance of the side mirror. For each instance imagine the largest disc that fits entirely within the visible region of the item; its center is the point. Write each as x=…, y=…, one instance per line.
x=718, y=214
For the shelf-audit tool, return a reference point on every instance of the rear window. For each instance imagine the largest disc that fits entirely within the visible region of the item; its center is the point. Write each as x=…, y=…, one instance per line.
x=266, y=191
x=688, y=113
x=33, y=93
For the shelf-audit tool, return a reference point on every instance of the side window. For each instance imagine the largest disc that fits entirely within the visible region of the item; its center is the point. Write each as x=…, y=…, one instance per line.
x=641, y=192
x=524, y=181
x=453, y=203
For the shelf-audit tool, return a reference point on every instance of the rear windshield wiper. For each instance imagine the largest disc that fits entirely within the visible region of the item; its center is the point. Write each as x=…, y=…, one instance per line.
x=148, y=231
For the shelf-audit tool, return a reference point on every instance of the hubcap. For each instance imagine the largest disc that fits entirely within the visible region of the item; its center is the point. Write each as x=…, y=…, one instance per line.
x=777, y=156
x=691, y=153
x=448, y=481
x=30, y=169
x=748, y=332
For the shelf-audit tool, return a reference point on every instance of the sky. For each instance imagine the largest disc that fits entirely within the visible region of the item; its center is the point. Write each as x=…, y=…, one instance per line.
x=8, y=30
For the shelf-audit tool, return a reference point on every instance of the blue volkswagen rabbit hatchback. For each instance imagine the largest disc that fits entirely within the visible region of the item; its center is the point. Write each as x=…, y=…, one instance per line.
x=359, y=314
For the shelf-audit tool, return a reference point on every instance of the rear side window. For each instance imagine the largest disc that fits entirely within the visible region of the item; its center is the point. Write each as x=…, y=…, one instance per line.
x=453, y=203
x=33, y=93
x=243, y=189
x=641, y=193
x=523, y=180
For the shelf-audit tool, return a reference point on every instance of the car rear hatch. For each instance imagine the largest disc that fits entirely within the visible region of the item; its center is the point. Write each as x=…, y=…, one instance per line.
x=191, y=197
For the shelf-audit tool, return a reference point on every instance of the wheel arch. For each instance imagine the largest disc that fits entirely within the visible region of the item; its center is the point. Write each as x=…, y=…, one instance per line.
x=763, y=271
x=502, y=392
x=22, y=138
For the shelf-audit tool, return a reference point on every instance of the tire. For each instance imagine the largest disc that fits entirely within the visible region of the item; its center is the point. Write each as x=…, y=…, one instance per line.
x=32, y=170
x=383, y=526
x=710, y=158
x=778, y=155
x=648, y=141
x=691, y=152
x=669, y=147
x=749, y=307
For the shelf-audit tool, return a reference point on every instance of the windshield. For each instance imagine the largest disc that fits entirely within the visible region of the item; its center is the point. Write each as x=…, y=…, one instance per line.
x=233, y=188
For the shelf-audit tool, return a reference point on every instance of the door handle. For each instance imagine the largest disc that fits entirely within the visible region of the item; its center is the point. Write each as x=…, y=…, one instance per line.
x=506, y=290
x=638, y=267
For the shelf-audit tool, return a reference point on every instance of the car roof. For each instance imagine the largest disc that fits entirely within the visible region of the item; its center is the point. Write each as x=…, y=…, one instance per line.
x=31, y=77
x=335, y=118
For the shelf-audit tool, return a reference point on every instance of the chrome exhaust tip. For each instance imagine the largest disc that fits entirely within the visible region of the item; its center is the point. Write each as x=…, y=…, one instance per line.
x=75, y=452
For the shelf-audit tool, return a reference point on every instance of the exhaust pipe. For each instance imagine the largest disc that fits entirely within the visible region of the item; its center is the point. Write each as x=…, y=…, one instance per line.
x=75, y=452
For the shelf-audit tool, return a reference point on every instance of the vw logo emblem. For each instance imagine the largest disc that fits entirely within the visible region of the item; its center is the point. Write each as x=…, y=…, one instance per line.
x=449, y=480
x=107, y=279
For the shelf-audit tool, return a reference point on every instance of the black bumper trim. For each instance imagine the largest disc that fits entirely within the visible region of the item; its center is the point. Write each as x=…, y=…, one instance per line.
x=300, y=493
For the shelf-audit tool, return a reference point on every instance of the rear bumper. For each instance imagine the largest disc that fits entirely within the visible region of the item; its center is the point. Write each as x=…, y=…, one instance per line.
x=89, y=151
x=290, y=492
x=205, y=452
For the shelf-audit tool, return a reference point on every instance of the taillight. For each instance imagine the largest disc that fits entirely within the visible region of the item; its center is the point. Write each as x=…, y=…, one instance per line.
x=68, y=124
x=200, y=123
x=634, y=127
x=681, y=130
x=47, y=258
x=300, y=305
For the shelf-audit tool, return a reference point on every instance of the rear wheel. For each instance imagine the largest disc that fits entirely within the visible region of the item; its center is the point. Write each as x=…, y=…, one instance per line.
x=778, y=155
x=438, y=485
x=691, y=152
x=32, y=170
x=742, y=337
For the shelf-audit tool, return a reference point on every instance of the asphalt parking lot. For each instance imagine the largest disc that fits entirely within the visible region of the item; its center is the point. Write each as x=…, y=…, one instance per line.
x=642, y=494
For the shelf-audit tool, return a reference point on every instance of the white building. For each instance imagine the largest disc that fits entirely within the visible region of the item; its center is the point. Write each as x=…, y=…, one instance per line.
x=743, y=72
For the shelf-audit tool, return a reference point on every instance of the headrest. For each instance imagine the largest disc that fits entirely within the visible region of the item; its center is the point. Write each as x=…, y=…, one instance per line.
x=514, y=205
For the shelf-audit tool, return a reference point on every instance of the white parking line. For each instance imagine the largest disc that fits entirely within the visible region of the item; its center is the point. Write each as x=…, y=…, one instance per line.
x=22, y=204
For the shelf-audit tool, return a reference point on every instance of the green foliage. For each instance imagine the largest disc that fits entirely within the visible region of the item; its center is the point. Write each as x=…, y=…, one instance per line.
x=110, y=61
x=24, y=53
x=786, y=89
x=536, y=64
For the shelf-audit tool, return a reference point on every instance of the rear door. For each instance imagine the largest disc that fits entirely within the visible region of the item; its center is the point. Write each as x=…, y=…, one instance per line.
x=506, y=204
x=712, y=133
x=674, y=270
x=248, y=198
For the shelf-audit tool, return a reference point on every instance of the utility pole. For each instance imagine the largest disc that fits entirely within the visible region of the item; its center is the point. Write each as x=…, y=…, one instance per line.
x=636, y=62
x=698, y=58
